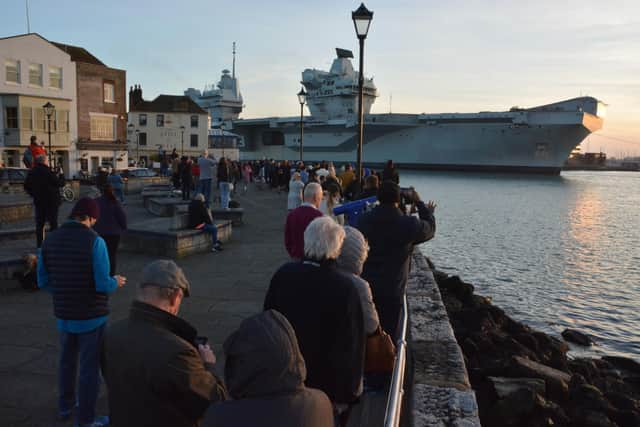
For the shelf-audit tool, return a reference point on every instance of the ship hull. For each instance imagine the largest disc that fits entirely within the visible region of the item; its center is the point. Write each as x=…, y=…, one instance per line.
x=520, y=142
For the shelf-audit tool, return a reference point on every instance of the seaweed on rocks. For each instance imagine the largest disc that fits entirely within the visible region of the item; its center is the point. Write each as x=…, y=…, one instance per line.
x=523, y=377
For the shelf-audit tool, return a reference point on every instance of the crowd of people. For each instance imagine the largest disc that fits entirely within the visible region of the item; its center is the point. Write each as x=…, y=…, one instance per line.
x=303, y=361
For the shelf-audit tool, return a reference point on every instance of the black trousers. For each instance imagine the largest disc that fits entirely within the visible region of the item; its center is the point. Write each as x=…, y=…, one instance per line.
x=45, y=213
x=112, y=241
x=186, y=190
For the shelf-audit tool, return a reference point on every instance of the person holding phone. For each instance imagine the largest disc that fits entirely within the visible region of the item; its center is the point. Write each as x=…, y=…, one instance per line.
x=158, y=371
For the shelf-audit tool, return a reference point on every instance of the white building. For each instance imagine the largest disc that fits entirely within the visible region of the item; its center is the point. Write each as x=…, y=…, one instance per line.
x=35, y=72
x=166, y=123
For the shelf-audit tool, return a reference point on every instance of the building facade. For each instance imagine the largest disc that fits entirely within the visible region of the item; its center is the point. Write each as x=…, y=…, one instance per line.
x=164, y=124
x=34, y=73
x=101, y=113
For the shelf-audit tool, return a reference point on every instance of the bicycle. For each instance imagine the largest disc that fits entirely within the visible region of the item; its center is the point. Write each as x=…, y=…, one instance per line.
x=67, y=193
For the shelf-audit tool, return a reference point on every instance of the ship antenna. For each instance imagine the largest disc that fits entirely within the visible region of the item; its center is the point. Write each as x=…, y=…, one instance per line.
x=233, y=72
x=26, y=4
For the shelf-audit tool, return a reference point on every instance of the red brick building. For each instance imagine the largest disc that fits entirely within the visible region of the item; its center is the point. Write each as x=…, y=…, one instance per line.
x=102, y=112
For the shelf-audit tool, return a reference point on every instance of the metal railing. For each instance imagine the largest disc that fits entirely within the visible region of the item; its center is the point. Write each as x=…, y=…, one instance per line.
x=396, y=392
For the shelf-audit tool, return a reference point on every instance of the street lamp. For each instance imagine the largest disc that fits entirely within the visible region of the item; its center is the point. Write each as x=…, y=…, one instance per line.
x=222, y=136
x=130, y=127
x=182, y=141
x=138, y=148
x=361, y=20
x=49, y=109
x=302, y=98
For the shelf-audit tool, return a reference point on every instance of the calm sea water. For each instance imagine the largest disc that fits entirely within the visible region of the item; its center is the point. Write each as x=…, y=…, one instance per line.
x=553, y=252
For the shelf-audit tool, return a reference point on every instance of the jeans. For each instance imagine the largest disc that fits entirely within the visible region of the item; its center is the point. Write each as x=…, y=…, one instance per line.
x=45, y=213
x=205, y=188
x=225, y=189
x=85, y=346
x=211, y=228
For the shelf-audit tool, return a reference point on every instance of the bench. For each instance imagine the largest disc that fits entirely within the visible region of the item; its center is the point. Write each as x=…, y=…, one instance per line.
x=166, y=206
x=177, y=242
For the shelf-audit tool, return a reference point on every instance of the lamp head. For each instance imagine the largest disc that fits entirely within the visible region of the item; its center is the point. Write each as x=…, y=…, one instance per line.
x=302, y=96
x=361, y=20
x=49, y=108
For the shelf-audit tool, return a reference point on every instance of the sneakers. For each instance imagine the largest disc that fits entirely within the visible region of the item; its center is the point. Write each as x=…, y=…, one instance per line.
x=217, y=248
x=98, y=421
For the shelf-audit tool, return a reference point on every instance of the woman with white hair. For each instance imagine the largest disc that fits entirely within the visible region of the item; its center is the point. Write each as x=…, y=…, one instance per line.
x=324, y=309
x=200, y=218
x=355, y=250
x=295, y=191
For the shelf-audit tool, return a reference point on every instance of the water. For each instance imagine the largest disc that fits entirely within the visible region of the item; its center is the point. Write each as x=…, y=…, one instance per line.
x=553, y=252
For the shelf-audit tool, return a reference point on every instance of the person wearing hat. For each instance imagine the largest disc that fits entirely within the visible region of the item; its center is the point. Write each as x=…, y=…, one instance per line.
x=73, y=266
x=392, y=235
x=157, y=370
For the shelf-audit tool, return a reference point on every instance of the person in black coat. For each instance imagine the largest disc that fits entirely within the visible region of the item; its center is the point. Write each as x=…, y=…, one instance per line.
x=324, y=309
x=200, y=218
x=392, y=235
x=44, y=186
x=389, y=173
x=111, y=223
x=186, y=177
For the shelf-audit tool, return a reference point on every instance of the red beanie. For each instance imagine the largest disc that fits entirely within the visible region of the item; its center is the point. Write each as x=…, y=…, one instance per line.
x=86, y=207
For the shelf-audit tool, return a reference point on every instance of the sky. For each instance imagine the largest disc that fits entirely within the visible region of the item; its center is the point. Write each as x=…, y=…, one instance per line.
x=425, y=56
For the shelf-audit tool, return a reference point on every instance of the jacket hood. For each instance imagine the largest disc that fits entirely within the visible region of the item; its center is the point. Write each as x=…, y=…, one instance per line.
x=263, y=357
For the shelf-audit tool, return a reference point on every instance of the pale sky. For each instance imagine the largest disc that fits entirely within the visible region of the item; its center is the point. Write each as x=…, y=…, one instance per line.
x=429, y=56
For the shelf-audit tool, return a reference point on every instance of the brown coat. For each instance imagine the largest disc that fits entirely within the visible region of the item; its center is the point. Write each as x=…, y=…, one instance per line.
x=154, y=373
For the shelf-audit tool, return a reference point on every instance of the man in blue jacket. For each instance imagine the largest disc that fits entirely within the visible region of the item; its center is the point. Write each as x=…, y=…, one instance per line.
x=74, y=266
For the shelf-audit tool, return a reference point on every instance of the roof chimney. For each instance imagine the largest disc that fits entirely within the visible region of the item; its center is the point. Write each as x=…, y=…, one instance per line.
x=135, y=96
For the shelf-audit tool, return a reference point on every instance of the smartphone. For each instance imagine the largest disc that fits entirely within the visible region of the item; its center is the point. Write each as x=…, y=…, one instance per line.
x=201, y=340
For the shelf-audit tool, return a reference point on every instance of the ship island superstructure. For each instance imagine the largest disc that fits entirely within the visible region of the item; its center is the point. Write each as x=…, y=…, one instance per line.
x=529, y=140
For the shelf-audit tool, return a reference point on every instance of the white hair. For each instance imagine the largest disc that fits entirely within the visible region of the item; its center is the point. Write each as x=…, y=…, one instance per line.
x=323, y=239
x=311, y=191
x=199, y=197
x=354, y=252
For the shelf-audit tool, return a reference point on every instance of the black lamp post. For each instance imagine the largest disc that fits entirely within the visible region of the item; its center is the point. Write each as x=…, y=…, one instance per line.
x=361, y=20
x=222, y=136
x=130, y=127
x=302, y=98
x=137, y=148
x=182, y=141
x=49, y=109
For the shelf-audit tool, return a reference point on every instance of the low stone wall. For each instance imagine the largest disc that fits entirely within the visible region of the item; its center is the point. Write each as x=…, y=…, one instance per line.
x=136, y=185
x=15, y=211
x=441, y=394
x=173, y=244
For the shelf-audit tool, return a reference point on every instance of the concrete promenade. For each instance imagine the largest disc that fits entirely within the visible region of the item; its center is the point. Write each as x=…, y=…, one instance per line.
x=226, y=288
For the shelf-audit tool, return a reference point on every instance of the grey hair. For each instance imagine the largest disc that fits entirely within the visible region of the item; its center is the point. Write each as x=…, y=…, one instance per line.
x=355, y=250
x=311, y=190
x=323, y=239
x=199, y=197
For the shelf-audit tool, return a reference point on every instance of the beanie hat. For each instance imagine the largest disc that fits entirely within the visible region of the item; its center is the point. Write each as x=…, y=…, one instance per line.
x=86, y=207
x=354, y=251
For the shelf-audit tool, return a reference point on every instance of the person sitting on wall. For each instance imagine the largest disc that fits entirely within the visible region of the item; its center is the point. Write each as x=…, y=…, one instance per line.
x=200, y=218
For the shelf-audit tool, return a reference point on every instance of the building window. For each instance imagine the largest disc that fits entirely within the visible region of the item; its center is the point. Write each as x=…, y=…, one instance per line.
x=142, y=138
x=62, y=120
x=142, y=120
x=102, y=128
x=109, y=92
x=84, y=164
x=194, y=140
x=35, y=74
x=12, y=71
x=26, y=119
x=106, y=162
x=194, y=121
x=11, y=118
x=55, y=77
x=160, y=120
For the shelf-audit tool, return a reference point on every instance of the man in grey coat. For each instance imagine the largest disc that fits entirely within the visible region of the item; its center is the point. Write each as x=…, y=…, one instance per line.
x=206, y=165
x=265, y=373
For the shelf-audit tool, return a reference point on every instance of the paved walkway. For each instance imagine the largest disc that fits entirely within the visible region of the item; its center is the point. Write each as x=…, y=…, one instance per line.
x=226, y=288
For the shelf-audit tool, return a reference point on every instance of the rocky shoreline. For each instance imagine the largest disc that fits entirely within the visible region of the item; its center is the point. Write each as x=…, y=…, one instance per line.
x=523, y=377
